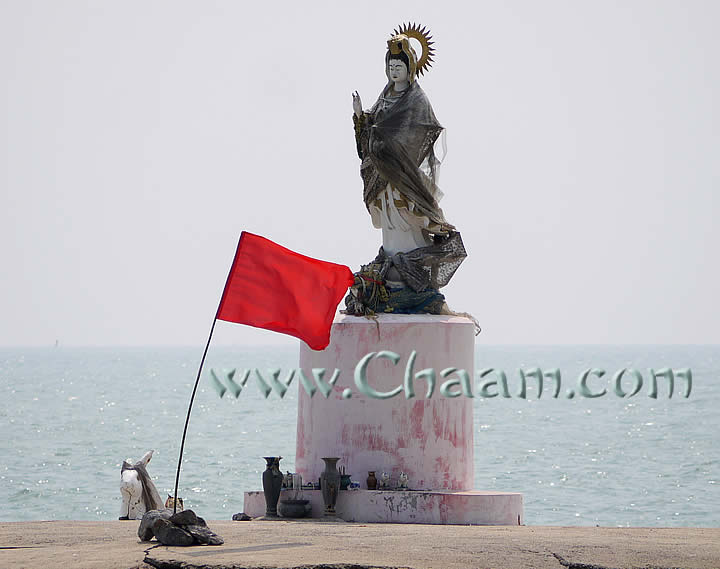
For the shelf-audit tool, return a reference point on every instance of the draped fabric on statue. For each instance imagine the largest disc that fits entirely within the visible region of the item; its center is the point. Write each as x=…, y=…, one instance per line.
x=151, y=497
x=393, y=140
x=421, y=250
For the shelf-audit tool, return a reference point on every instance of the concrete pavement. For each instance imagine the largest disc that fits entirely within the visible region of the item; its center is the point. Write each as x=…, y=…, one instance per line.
x=313, y=543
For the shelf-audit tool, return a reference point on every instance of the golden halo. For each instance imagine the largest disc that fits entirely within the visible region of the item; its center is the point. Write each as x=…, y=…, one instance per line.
x=423, y=36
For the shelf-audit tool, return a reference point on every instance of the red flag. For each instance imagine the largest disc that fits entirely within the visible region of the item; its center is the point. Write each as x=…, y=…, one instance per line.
x=274, y=288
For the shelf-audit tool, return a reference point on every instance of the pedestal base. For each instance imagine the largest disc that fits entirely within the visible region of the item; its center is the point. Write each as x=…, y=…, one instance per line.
x=429, y=439
x=411, y=506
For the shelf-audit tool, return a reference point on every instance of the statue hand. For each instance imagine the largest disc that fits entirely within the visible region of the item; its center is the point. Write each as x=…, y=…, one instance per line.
x=357, y=104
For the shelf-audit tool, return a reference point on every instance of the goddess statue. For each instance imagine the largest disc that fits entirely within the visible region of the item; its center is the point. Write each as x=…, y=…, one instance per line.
x=396, y=142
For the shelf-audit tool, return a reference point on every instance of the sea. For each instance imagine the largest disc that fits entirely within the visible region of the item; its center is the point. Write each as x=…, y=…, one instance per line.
x=69, y=416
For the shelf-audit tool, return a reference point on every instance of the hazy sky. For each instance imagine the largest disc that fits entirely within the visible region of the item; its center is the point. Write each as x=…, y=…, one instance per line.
x=139, y=138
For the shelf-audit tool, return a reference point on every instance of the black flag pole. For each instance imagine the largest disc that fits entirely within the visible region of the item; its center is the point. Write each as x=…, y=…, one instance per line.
x=187, y=419
x=197, y=380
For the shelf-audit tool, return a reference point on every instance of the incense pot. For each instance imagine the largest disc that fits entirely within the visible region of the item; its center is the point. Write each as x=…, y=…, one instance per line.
x=294, y=508
x=272, y=480
x=330, y=484
x=297, y=506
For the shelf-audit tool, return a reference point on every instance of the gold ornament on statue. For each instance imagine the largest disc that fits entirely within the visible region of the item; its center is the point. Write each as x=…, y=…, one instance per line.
x=399, y=42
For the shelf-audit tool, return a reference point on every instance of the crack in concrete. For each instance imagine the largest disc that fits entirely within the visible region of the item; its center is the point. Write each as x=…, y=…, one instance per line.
x=249, y=548
x=571, y=565
x=152, y=547
x=174, y=564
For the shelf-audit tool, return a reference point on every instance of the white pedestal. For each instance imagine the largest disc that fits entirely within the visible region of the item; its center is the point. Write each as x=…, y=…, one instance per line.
x=408, y=507
x=430, y=439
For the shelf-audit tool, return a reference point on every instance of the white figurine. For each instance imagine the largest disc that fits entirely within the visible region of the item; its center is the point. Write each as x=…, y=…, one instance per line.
x=139, y=494
x=403, y=481
x=384, y=481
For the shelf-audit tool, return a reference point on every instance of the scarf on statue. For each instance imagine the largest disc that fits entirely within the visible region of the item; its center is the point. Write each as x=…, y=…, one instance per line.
x=150, y=495
x=401, y=137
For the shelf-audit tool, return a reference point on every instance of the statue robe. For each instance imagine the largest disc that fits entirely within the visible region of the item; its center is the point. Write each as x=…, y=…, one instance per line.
x=395, y=142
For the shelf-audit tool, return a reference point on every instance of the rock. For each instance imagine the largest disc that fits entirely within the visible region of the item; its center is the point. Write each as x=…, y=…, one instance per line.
x=168, y=533
x=145, y=531
x=183, y=528
x=241, y=517
x=203, y=535
x=185, y=518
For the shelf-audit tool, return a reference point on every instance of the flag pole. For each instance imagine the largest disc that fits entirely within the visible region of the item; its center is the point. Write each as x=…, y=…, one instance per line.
x=187, y=419
x=197, y=380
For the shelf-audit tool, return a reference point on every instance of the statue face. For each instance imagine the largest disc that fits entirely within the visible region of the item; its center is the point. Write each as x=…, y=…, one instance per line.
x=397, y=70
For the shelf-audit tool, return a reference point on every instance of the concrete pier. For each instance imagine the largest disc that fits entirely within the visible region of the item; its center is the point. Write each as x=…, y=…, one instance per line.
x=333, y=545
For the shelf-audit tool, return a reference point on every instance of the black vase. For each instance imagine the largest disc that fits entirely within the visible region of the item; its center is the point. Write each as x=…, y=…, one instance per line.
x=272, y=484
x=330, y=484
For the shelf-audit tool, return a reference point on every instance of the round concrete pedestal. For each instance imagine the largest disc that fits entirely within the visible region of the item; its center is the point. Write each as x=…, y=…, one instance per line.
x=431, y=440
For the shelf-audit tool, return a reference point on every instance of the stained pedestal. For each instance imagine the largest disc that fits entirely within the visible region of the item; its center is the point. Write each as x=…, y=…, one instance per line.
x=430, y=439
x=379, y=415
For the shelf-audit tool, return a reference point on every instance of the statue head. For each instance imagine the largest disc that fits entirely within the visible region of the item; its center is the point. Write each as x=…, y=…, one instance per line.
x=398, y=68
x=399, y=49
x=400, y=58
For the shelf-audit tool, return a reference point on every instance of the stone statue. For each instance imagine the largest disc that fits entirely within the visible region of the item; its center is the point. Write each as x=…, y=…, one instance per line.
x=396, y=142
x=139, y=494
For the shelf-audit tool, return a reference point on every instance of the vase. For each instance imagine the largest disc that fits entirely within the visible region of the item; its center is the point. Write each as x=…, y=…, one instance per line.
x=371, y=481
x=330, y=484
x=272, y=480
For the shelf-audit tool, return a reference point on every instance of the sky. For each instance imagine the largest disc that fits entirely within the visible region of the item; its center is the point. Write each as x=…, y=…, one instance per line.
x=139, y=138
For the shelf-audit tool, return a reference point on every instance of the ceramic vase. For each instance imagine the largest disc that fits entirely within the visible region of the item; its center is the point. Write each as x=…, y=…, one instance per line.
x=272, y=480
x=330, y=484
x=371, y=481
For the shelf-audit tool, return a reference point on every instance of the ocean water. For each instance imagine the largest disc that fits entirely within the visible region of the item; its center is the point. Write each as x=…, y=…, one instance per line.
x=70, y=416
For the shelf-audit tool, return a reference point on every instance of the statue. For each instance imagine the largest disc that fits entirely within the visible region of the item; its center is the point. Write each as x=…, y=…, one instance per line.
x=396, y=141
x=139, y=494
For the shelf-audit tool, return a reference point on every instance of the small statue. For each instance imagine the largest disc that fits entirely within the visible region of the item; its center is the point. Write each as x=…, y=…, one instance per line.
x=403, y=481
x=297, y=483
x=139, y=494
x=396, y=140
x=384, y=481
x=170, y=504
